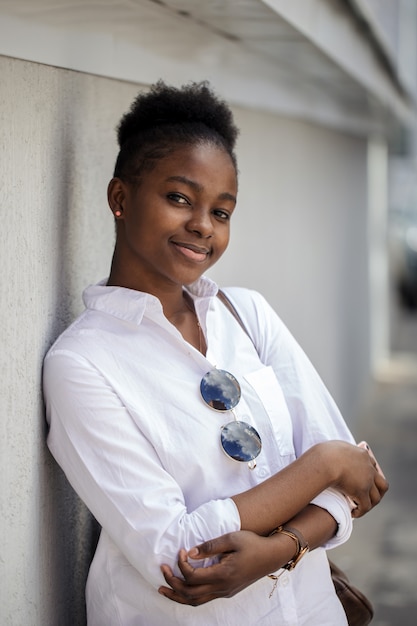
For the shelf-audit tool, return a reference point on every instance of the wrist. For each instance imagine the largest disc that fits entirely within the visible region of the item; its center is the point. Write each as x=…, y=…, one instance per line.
x=283, y=550
x=294, y=546
x=328, y=461
x=289, y=534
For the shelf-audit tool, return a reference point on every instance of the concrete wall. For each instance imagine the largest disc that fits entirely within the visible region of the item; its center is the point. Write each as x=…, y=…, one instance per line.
x=299, y=237
x=57, y=149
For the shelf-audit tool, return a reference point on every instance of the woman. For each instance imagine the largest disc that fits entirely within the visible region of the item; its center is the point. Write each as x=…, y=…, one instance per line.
x=191, y=501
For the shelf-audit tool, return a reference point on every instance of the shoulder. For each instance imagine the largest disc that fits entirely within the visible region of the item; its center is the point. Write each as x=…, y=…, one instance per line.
x=265, y=327
x=259, y=319
x=247, y=299
x=75, y=339
x=251, y=305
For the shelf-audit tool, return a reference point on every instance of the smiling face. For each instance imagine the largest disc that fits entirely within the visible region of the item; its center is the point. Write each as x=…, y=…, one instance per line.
x=175, y=223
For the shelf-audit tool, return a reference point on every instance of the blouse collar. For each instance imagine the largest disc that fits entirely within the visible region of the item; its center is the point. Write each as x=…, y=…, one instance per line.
x=131, y=305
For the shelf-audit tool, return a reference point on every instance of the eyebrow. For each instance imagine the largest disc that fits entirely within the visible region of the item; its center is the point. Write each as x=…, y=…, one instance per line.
x=194, y=185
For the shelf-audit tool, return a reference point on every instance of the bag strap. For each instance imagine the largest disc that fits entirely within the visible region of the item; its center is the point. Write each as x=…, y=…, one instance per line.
x=228, y=304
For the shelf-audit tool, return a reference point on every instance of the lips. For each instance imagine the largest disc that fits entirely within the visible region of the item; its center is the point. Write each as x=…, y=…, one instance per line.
x=191, y=251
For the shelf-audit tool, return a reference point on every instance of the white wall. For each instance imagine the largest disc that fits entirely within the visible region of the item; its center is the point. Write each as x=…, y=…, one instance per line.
x=299, y=237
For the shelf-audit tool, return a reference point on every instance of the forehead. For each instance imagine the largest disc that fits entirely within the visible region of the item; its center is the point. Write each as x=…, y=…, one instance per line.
x=203, y=162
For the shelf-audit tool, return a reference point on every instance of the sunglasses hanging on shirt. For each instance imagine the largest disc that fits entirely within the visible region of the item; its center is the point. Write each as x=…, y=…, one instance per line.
x=239, y=440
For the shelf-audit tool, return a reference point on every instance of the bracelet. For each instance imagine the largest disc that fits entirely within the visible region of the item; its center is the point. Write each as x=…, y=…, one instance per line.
x=302, y=549
x=302, y=545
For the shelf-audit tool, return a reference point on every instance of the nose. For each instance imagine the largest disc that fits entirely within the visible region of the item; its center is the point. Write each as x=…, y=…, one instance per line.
x=200, y=223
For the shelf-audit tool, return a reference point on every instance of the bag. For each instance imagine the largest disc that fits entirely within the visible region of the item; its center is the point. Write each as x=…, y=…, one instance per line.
x=359, y=611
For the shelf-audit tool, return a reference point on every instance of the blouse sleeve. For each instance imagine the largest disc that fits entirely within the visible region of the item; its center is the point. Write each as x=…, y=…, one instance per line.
x=97, y=444
x=314, y=414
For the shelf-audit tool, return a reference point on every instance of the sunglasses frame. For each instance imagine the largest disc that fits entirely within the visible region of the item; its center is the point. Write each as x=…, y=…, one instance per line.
x=227, y=397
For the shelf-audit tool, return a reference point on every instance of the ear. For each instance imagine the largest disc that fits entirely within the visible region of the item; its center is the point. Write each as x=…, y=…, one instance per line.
x=116, y=195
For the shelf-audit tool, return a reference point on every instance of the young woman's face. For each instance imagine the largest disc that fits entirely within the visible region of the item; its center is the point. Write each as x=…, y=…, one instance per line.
x=175, y=224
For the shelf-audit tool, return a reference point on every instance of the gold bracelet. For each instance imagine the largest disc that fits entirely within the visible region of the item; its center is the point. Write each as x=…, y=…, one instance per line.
x=302, y=545
x=302, y=549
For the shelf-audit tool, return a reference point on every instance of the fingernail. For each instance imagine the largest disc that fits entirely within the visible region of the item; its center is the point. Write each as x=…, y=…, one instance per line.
x=193, y=553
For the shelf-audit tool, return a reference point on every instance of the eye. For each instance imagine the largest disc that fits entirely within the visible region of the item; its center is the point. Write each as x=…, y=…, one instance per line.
x=222, y=215
x=178, y=198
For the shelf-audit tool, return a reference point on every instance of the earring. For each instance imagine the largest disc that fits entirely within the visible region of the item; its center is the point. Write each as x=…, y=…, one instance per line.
x=117, y=213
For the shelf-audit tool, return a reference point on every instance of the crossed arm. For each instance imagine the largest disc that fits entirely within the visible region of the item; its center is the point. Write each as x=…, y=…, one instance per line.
x=251, y=553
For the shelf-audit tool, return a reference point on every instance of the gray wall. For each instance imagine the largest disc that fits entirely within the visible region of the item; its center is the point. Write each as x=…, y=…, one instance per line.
x=57, y=149
x=299, y=237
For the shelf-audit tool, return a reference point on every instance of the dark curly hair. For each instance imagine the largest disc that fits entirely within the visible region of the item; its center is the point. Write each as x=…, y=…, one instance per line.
x=165, y=118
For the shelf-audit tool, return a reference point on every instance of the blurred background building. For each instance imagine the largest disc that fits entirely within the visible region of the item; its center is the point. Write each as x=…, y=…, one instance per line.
x=324, y=92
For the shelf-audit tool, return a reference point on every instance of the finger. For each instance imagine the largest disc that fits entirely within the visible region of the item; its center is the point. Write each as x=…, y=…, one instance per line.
x=192, y=575
x=180, y=592
x=169, y=575
x=364, y=444
x=364, y=504
x=167, y=572
x=381, y=484
x=185, y=567
x=375, y=496
x=376, y=464
x=184, y=593
x=213, y=547
x=378, y=468
x=189, y=593
x=183, y=599
x=209, y=575
x=187, y=570
x=201, y=584
x=353, y=505
x=180, y=585
x=190, y=572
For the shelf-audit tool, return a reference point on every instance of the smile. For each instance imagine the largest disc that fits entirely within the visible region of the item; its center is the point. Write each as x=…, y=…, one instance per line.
x=195, y=253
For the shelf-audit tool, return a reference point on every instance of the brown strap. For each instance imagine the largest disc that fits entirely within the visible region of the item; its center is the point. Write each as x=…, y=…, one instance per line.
x=227, y=303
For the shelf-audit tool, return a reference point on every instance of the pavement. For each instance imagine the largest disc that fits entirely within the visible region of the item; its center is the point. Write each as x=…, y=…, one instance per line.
x=381, y=556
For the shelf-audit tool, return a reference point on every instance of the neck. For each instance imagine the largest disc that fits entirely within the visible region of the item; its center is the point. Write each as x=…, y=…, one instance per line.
x=169, y=294
x=178, y=307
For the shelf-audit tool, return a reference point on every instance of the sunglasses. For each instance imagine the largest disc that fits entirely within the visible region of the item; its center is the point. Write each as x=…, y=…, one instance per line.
x=240, y=441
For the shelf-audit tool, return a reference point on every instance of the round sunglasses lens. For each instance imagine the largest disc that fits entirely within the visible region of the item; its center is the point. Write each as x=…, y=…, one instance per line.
x=241, y=441
x=220, y=390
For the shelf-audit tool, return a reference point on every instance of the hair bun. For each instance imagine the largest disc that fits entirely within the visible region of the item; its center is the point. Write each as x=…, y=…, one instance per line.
x=194, y=103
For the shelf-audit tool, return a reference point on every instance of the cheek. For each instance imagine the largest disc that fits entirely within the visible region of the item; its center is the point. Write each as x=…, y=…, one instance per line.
x=226, y=234
x=144, y=222
x=222, y=242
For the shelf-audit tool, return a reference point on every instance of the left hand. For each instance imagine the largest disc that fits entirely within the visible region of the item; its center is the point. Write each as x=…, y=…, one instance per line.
x=244, y=558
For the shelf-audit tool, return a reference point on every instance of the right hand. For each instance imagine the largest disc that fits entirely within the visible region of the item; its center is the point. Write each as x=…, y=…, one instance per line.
x=356, y=473
x=244, y=557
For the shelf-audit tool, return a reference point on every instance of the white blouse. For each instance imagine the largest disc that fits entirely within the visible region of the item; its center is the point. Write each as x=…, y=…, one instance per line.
x=142, y=449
